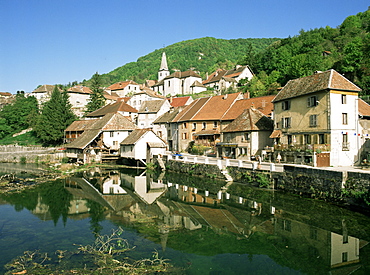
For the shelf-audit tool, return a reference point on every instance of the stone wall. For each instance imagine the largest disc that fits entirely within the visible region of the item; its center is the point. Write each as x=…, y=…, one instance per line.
x=16, y=153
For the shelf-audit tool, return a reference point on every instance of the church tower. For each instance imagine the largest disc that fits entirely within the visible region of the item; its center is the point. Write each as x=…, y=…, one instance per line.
x=163, y=70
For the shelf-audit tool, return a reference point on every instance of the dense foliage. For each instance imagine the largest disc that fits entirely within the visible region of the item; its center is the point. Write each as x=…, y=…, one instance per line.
x=56, y=115
x=345, y=49
x=18, y=116
x=202, y=55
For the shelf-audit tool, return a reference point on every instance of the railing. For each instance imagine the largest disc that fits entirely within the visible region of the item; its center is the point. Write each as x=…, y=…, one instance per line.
x=302, y=147
x=254, y=165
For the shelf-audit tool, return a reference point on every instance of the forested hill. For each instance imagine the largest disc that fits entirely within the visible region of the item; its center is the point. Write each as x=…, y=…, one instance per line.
x=203, y=55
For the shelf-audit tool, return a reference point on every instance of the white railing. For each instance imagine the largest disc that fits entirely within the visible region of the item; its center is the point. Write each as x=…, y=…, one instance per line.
x=254, y=165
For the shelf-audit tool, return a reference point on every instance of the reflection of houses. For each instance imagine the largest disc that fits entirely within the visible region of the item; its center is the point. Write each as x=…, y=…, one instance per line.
x=318, y=113
x=141, y=145
x=247, y=135
x=100, y=140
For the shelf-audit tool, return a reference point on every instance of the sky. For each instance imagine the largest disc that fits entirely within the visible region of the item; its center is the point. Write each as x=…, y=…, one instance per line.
x=61, y=41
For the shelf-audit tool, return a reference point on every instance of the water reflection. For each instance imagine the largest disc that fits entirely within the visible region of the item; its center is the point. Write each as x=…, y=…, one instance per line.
x=196, y=218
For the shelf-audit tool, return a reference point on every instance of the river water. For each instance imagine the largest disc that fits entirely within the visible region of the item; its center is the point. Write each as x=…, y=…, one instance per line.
x=193, y=222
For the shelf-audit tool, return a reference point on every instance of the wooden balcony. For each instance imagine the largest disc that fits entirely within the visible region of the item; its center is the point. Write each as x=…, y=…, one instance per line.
x=303, y=147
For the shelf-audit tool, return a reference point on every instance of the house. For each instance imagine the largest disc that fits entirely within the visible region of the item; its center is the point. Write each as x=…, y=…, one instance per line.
x=100, y=140
x=246, y=136
x=364, y=130
x=76, y=129
x=43, y=93
x=165, y=129
x=150, y=111
x=116, y=107
x=178, y=83
x=316, y=120
x=146, y=94
x=123, y=88
x=221, y=80
x=201, y=121
x=141, y=145
x=79, y=96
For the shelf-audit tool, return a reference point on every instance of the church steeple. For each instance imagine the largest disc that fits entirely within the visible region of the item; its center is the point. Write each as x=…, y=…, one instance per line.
x=163, y=70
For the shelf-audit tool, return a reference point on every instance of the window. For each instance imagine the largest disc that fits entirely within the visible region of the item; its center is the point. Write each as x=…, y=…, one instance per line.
x=246, y=136
x=214, y=124
x=345, y=257
x=345, y=144
x=344, y=99
x=184, y=125
x=169, y=83
x=290, y=139
x=312, y=101
x=344, y=118
x=285, y=105
x=307, y=139
x=321, y=139
x=194, y=126
x=313, y=120
x=184, y=135
x=286, y=122
x=111, y=134
x=204, y=125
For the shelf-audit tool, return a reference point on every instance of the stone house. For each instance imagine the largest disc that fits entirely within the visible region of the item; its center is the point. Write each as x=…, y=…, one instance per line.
x=150, y=111
x=316, y=120
x=43, y=93
x=221, y=79
x=123, y=88
x=246, y=136
x=146, y=94
x=79, y=96
x=101, y=139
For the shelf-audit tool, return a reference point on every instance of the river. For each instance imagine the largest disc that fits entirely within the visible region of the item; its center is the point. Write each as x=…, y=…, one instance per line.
x=193, y=222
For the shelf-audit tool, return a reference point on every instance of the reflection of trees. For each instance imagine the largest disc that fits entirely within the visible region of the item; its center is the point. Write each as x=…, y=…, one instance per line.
x=96, y=216
x=26, y=199
x=57, y=198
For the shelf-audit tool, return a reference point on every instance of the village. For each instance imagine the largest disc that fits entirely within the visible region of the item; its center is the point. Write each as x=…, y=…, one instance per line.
x=318, y=120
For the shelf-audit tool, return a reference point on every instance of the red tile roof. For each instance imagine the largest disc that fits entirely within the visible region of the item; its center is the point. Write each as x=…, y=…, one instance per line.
x=121, y=85
x=118, y=106
x=178, y=101
x=79, y=89
x=363, y=108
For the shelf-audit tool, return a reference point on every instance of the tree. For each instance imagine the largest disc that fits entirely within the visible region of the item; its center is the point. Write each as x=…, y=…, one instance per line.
x=97, y=99
x=55, y=116
x=19, y=115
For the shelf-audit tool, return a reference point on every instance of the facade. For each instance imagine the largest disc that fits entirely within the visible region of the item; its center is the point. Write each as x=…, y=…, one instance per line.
x=43, y=93
x=318, y=114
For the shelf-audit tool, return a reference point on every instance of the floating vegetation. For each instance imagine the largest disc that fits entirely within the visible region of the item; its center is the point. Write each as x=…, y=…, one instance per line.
x=107, y=255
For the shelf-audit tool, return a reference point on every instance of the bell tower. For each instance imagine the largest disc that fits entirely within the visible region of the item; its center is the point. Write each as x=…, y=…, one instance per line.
x=163, y=70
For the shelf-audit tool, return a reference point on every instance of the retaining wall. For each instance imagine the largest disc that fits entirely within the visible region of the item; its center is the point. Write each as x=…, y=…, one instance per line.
x=16, y=153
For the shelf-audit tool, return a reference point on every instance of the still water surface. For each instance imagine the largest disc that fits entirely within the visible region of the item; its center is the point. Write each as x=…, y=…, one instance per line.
x=188, y=220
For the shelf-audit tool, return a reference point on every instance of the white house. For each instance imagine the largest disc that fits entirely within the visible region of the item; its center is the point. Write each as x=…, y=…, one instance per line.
x=123, y=88
x=79, y=96
x=136, y=145
x=146, y=94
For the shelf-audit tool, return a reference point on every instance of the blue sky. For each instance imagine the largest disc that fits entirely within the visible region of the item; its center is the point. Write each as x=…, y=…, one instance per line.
x=60, y=41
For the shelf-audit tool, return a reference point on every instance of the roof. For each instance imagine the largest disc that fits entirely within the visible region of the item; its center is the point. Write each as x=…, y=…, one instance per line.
x=119, y=106
x=156, y=145
x=121, y=85
x=5, y=94
x=168, y=116
x=328, y=80
x=79, y=89
x=189, y=111
x=110, y=122
x=215, y=76
x=250, y=120
x=151, y=106
x=276, y=134
x=216, y=107
x=164, y=66
x=363, y=108
x=183, y=74
x=149, y=92
x=80, y=125
x=179, y=101
x=44, y=89
x=262, y=103
x=197, y=84
x=228, y=75
x=134, y=136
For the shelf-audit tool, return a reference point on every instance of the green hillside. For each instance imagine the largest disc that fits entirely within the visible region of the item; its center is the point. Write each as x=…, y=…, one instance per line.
x=203, y=55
